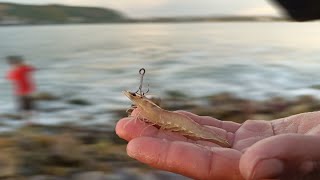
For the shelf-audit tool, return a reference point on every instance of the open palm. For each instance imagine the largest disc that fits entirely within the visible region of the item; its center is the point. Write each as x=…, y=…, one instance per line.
x=285, y=148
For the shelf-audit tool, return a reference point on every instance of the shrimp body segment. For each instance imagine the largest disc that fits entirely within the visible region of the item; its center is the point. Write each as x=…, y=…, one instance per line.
x=173, y=121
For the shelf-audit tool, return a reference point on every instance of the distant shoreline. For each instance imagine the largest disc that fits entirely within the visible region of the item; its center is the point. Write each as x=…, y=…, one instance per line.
x=212, y=19
x=12, y=14
x=161, y=21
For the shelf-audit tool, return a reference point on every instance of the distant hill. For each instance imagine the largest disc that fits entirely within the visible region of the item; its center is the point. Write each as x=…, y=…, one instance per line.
x=20, y=14
x=14, y=14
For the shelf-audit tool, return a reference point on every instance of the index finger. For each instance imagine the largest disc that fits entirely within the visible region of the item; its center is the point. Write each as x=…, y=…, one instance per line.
x=128, y=129
x=186, y=158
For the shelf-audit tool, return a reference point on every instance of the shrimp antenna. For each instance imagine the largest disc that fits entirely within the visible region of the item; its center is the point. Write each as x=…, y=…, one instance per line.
x=142, y=72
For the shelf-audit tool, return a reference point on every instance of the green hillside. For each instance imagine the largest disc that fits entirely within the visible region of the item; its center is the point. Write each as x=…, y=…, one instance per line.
x=56, y=14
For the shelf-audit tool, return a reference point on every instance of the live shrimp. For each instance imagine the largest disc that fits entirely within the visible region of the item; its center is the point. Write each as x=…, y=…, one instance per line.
x=150, y=112
x=172, y=121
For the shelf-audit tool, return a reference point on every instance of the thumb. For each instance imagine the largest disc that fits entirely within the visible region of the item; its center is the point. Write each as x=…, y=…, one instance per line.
x=286, y=155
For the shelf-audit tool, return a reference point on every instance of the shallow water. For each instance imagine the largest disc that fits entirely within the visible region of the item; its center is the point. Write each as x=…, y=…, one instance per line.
x=97, y=62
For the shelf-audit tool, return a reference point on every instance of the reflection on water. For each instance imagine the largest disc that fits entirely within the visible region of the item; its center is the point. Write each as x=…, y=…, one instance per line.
x=97, y=62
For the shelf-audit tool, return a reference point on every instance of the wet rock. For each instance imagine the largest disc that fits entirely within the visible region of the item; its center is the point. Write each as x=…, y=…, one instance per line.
x=114, y=177
x=227, y=112
x=59, y=171
x=87, y=138
x=7, y=142
x=296, y=109
x=306, y=99
x=51, y=109
x=108, y=152
x=90, y=176
x=11, y=116
x=261, y=117
x=276, y=104
x=159, y=175
x=117, y=140
x=66, y=151
x=173, y=105
x=33, y=152
x=262, y=108
x=222, y=98
x=39, y=152
x=45, y=96
x=30, y=142
x=130, y=173
x=176, y=95
x=203, y=111
x=8, y=162
x=120, y=113
x=176, y=100
x=46, y=177
x=80, y=102
x=57, y=155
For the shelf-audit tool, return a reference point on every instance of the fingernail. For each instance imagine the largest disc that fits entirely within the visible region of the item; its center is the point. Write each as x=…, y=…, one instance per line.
x=133, y=149
x=270, y=168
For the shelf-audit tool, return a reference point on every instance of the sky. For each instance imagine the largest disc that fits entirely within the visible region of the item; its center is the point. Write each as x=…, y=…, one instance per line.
x=162, y=8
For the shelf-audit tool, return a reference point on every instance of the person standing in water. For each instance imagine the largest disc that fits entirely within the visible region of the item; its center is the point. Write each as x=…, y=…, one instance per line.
x=20, y=74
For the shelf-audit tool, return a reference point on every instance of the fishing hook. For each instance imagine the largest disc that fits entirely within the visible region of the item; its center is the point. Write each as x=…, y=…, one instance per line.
x=142, y=72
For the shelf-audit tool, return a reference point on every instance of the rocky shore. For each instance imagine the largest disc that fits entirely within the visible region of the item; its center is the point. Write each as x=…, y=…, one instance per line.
x=58, y=153
x=68, y=151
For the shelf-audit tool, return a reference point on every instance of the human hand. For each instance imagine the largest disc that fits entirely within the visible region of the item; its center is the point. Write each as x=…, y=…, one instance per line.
x=286, y=148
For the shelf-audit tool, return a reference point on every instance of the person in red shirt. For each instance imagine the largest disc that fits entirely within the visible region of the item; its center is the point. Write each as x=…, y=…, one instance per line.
x=20, y=75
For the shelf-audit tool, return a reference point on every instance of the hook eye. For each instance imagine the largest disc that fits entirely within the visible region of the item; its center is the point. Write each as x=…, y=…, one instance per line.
x=142, y=71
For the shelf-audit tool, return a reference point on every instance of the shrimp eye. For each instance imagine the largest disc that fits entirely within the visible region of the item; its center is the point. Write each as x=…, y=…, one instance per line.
x=133, y=94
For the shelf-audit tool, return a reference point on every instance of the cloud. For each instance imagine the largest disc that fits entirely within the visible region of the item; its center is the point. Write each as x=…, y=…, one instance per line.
x=263, y=10
x=211, y=7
